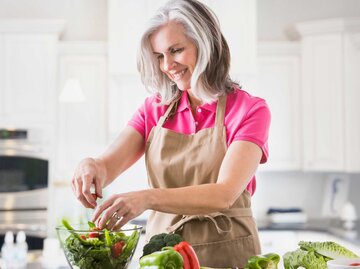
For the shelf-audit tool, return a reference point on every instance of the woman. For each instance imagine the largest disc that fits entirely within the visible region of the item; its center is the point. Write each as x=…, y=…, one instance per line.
x=203, y=139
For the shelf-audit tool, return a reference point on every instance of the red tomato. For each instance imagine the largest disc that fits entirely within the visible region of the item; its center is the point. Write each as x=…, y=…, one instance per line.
x=94, y=235
x=355, y=264
x=117, y=249
x=83, y=237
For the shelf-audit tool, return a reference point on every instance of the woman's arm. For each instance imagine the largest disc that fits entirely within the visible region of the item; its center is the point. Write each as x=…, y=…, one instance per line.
x=120, y=155
x=239, y=165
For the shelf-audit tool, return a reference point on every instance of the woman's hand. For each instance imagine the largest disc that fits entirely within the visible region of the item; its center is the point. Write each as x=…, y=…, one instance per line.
x=119, y=209
x=89, y=172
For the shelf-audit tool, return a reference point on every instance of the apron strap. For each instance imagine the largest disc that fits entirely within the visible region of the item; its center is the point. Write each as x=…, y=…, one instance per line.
x=220, y=111
x=163, y=118
x=227, y=214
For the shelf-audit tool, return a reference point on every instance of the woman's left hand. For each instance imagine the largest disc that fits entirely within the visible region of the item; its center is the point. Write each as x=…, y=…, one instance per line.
x=118, y=209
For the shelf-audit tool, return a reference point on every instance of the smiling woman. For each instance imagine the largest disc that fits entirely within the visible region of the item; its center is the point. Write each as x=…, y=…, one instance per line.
x=176, y=53
x=203, y=139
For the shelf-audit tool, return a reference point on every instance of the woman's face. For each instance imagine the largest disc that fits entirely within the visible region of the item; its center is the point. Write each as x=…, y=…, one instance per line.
x=175, y=52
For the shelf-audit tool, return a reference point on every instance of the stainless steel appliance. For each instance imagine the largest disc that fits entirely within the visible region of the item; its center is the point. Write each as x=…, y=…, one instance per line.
x=23, y=186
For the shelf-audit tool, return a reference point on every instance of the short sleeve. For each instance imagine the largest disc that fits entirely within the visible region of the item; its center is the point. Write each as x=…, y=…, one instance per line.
x=138, y=120
x=255, y=127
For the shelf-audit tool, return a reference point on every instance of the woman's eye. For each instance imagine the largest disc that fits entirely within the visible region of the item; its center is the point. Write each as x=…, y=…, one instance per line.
x=160, y=56
x=177, y=50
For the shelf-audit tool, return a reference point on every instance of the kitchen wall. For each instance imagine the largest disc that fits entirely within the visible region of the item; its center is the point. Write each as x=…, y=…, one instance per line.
x=87, y=21
x=277, y=17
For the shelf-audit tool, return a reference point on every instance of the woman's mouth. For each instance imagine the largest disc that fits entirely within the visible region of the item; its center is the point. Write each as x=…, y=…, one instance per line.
x=178, y=75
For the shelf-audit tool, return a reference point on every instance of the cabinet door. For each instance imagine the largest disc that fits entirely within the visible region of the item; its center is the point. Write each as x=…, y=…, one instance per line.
x=322, y=87
x=29, y=77
x=2, y=99
x=82, y=126
x=352, y=97
x=278, y=84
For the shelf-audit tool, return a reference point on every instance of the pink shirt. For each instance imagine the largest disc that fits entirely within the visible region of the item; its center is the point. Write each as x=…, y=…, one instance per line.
x=246, y=118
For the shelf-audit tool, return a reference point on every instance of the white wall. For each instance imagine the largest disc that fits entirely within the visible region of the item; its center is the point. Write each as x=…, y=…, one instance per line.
x=275, y=17
x=86, y=19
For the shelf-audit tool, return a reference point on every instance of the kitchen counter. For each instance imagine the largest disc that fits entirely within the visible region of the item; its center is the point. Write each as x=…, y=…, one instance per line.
x=330, y=226
x=312, y=227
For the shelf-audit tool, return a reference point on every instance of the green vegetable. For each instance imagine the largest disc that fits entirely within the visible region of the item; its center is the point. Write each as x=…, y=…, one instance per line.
x=314, y=255
x=96, y=253
x=165, y=259
x=267, y=261
x=158, y=241
x=328, y=249
x=91, y=225
x=302, y=258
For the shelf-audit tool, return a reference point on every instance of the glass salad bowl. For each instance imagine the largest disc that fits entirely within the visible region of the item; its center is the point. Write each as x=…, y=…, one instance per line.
x=87, y=247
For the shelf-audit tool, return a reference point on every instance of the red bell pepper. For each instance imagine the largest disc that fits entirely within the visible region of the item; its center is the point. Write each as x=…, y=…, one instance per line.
x=189, y=256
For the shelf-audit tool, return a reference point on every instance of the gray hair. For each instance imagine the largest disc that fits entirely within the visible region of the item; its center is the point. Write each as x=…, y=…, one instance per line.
x=210, y=77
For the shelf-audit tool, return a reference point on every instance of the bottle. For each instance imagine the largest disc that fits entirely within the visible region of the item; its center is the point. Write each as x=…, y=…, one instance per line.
x=21, y=249
x=8, y=251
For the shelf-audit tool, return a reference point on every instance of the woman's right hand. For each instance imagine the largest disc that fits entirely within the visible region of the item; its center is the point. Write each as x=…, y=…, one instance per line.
x=89, y=172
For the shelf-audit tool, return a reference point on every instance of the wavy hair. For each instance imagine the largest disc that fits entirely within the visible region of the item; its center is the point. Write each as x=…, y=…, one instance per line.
x=210, y=77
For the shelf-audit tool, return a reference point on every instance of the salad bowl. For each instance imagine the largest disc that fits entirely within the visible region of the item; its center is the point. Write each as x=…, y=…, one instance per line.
x=87, y=247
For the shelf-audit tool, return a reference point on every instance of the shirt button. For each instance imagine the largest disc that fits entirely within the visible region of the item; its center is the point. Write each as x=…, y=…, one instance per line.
x=199, y=110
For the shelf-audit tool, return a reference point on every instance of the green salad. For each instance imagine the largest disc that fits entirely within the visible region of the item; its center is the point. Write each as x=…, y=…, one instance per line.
x=99, y=249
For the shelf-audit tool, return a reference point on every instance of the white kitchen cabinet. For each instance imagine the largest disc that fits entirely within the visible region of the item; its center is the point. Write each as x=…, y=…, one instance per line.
x=28, y=71
x=279, y=84
x=351, y=102
x=82, y=128
x=330, y=83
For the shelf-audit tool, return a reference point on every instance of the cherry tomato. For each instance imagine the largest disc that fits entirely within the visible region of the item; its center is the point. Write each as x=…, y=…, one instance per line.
x=83, y=237
x=355, y=264
x=117, y=249
x=94, y=235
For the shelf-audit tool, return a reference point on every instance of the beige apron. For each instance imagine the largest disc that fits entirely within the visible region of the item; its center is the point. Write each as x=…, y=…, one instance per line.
x=173, y=160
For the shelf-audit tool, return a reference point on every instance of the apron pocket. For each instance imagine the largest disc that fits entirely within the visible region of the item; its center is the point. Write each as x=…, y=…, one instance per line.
x=227, y=253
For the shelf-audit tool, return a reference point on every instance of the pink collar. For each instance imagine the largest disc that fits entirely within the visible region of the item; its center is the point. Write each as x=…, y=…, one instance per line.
x=184, y=104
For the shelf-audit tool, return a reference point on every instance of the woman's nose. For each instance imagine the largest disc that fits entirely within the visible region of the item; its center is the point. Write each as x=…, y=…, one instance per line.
x=168, y=63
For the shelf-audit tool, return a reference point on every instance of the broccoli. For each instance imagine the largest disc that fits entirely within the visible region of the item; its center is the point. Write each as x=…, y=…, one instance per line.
x=158, y=241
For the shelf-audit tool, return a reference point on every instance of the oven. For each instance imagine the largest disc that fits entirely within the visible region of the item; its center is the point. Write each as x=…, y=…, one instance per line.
x=24, y=175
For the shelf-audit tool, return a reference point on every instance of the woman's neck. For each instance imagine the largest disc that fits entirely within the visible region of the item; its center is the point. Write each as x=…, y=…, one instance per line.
x=194, y=102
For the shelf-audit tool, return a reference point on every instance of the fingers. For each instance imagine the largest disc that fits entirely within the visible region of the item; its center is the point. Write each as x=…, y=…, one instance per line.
x=98, y=188
x=86, y=175
x=77, y=186
x=87, y=181
x=100, y=209
x=125, y=219
x=114, y=210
